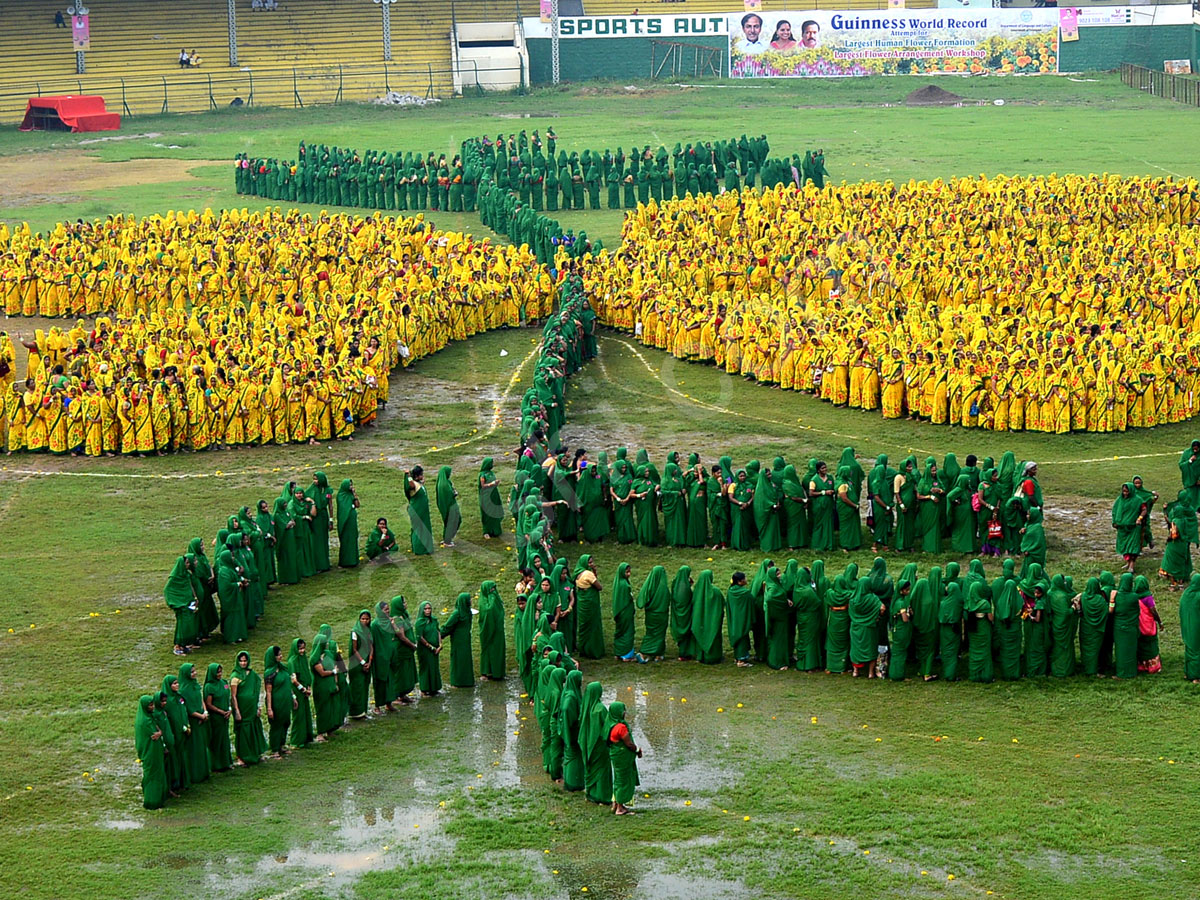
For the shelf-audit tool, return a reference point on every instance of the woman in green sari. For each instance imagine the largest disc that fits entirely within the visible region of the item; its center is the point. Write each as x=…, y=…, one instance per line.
x=837, y=621
x=197, y=741
x=458, y=629
x=979, y=618
x=552, y=693
x=1128, y=514
x=231, y=588
x=766, y=512
x=1033, y=539
x=624, y=615
x=623, y=753
x=263, y=557
x=1007, y=624
x=321, y=496
x=1149, y=660
x=1033, y=588
x=681, y=613
x=646, y=506
x=287, y=564
x=589, y=622
x=381, y=541
x=821, y=510
x=777, y=607
x=655, y=599
x=570, y=720
x=593, y=746
x=1064, y=622
x=429, y=646
x=491, y=508
x=280, y=700
x=674, y=507
x=206, y=584
x=266, y=526
x=739, y=616
x=172, y=758
x=383, y=647
x=1124, y=609
x=217, y=705
x=901, y=630
x=303, y=511
x=718, y=508
x=865, y=610
x=808, y=612
x=180, y=594
x=325, y=688
x=1189, y=626
x=881, y=487
x=695, y=482
x=708, y=614
x=404, y=671
x=963, y=525
x=361, y=664
x=1181, y=534
x=421, y=538
x=950, y=621
x=926, y=603
x=491, y=633
x=303, y=731
x=794, y=501
x=849, y=518
x=741, y=511
x=245, y=687
x=927, y=527
x=238, y=543
x=1093, y=616
x=447, y=504
x=592, y=510
x=905, y=491
x=624, y=502
x=148, y=739
x=347, y=524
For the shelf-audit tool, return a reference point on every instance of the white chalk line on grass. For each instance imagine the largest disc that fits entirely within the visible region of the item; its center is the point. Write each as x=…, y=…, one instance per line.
x=497, y=421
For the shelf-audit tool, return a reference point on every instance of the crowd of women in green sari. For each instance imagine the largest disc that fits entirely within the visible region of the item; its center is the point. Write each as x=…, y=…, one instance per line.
x=278, y=542
x=1132, y=520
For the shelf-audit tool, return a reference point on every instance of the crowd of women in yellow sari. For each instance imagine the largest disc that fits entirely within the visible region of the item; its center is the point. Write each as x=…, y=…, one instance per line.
x=236, y=329
x=1051, y=304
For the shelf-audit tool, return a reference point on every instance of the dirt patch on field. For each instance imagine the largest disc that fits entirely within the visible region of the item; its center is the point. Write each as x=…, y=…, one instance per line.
x=932, y=95
x=63, y=175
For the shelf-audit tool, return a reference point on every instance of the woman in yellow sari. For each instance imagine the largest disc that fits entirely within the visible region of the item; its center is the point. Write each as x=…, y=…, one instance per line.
x=892, y=377
x=93, y=426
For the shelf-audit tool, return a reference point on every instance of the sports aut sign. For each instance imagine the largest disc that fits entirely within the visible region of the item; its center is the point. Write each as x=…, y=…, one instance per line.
x=629, y=26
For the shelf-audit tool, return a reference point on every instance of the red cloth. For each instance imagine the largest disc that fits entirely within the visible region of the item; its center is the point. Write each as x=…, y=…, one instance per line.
x=77, y=113
x=619, y=732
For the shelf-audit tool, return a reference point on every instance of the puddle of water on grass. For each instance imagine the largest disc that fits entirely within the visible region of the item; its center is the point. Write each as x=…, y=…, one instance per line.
x=614, y=880
x=121, y=824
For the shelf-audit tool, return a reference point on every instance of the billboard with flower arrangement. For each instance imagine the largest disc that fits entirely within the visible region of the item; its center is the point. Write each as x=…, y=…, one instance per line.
x=828, y=43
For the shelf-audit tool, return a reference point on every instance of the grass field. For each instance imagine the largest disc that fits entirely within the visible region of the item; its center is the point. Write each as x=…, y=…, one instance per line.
x=815, y=786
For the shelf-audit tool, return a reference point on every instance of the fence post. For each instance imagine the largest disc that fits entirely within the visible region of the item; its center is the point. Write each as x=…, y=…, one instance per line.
x=338, y=98
x=250, y=99
x=212, y=104
x=164, y=106
x=429, y=90
x=124, y=103
x=296, y=101
x=387, y=87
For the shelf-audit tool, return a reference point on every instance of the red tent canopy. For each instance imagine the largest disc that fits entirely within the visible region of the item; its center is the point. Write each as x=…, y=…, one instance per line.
x=69, y=114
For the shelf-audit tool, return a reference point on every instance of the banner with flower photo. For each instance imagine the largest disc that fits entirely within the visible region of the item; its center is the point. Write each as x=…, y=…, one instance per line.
x=828, y=43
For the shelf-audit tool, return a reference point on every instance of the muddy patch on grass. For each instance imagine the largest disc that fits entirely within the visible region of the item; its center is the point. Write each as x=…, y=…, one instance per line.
x=65, y=175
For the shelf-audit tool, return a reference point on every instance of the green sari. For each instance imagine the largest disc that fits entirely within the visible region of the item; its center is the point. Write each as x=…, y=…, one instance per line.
x=681, y=613
x=347, y=525
x=278, y=677
x=1064, y=623
x=151, y=755
x=404, y=670
x=287, y=564
x=865, y=609
x=429, y=639
x=766, y=512
x=220, y=753
x=447, y=504
x=303, y=731
x=589, y=624
x=196, y=743
x=1126, y=520
x=492, y=662
x=848, y=515
x=624, y=760
x=1189, y=626
x=1093, y=620
x=1033, y=541
x=809, y=610
x=708, y=612
x=777, y=620
x=624, y=613
x=926, y=605
x=646, y=508
x=901, y=629
x=320, y=494
x=361, y=664
x=927, y=528
x=837, y=623
x=979, y=631
x=655, y=599
x=1125, y=614
x=570, y=721
x=1007, y=627
x=246, y=685
x=674, y=507
x=963, y=525
x=458, y=629
x=491, y=508
x=950, y=618
x=180, y=595
x=820, y=512
x=593, y=745
x=421, y=538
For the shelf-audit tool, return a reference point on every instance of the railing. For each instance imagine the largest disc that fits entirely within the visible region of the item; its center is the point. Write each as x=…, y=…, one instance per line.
x=1180, y=88
x=294, y=87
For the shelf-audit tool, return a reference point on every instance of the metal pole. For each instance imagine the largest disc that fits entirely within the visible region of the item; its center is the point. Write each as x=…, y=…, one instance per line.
x=387, y=30
x=554, y=67
x=233, y=59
